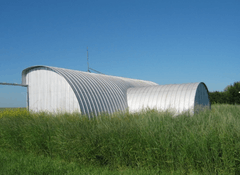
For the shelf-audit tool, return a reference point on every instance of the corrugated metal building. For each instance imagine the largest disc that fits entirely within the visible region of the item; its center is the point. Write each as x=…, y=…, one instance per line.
x=57, y=89
x=176, y=98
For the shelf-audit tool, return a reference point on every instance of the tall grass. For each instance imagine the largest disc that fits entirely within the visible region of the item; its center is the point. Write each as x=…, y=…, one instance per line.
x=208, y=142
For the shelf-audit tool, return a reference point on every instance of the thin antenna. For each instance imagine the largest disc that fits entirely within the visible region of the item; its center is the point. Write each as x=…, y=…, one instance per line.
x=96, y=71
x=87, y=60
x=91, y=68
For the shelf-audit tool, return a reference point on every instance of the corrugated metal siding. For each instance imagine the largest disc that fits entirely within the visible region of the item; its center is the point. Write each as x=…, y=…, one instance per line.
x=175, y=97
x=202, y=96
x=95, y=93
x=50, y=92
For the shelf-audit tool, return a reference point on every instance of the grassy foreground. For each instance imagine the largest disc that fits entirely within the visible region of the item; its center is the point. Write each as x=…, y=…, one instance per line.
x=145, y=143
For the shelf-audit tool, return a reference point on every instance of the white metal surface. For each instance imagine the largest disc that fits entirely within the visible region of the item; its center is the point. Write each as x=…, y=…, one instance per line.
x=47, y=91
x=57, y=89
x=177, y=98
x=53, y=89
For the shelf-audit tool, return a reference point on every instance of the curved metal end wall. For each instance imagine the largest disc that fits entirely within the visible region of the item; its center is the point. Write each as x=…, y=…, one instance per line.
x=56, y=89
x=177, y=98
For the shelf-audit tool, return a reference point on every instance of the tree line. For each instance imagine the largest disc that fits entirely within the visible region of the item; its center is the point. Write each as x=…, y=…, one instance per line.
x=230, y=95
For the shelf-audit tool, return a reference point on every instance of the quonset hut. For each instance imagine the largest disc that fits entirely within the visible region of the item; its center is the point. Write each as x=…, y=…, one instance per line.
x=56, y=89
x=176, y=98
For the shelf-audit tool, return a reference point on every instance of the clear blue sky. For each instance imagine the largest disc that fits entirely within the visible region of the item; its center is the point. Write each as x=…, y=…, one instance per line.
x=164, y=41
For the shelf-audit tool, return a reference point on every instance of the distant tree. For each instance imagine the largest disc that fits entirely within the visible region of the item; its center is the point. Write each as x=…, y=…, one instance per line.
x=226, y=88
x=230, y=95
x=218, y=97
x=212, y=96
x=232, y=92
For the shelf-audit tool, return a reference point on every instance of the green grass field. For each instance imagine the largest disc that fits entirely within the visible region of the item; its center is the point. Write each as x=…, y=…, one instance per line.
x=2, y=109
x=144, y=143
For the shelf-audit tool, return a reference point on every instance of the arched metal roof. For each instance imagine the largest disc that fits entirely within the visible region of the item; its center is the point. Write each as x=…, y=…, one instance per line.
x=95, y=92
x=175, y=97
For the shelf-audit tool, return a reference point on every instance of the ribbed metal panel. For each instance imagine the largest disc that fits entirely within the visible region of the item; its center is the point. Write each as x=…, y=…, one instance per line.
x=95, y=93
x=48, y=91
x=177, y=98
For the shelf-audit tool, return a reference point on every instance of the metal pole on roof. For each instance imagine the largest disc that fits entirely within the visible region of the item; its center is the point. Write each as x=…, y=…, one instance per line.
x=87, y=60
x=91, y=68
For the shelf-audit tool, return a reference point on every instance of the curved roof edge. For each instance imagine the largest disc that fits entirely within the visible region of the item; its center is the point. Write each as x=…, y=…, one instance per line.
x=207, y=92
x=24, y=72
x=89, y=87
